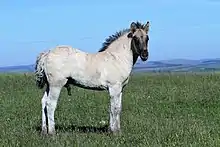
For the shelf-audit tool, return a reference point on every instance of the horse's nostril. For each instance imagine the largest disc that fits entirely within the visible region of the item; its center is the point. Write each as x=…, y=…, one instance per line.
x=145, y=54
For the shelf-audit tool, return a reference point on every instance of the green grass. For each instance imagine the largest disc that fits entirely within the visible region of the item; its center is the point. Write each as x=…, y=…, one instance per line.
x=158, y=110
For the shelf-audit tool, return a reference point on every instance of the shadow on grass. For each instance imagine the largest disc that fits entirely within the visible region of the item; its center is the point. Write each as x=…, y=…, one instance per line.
x=81, y=129
x=75, y=128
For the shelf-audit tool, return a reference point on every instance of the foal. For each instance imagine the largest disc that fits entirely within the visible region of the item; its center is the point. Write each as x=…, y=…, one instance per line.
x=109, y=69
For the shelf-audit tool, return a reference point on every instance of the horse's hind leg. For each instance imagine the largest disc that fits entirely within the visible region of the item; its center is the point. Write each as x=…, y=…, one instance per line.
x=44, y=112
x=54, y=92
x=115, y=108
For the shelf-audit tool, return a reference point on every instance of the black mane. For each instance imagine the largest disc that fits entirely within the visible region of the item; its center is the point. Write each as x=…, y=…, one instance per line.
x=118, y=34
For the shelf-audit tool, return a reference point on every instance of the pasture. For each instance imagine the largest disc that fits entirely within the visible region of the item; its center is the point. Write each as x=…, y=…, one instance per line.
x=158, y=110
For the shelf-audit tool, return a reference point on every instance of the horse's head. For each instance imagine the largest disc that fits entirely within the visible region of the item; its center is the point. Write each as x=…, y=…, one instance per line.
x=140, y=38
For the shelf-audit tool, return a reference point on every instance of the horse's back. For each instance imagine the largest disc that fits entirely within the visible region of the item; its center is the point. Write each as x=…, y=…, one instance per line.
x=64, y=50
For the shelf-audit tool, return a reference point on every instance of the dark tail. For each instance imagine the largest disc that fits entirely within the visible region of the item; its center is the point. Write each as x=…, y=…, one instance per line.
x=40, y=75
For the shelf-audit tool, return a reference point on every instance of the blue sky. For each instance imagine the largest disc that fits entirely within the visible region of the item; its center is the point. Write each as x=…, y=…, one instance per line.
x=179, y=28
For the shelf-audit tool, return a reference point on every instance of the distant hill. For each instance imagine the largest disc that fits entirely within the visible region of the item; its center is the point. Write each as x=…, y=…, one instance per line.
x=19, y=68
x=174, y=65
x=179, y=65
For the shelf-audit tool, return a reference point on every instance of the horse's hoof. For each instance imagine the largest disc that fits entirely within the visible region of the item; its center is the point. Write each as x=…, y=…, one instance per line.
x=52, y=133
x=115, y=132
x=44, y=132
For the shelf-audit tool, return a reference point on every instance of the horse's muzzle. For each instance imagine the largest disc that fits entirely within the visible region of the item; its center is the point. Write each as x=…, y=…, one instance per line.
x=144, y=55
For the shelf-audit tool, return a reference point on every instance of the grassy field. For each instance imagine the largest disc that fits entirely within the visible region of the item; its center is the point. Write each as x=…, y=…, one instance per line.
x=158, y=110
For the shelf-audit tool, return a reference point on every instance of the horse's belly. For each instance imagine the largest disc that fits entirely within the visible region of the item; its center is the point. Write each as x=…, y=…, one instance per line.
x=88, y=83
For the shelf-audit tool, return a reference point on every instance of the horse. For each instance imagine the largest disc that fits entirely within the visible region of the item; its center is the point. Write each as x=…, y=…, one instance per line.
x=108, y=69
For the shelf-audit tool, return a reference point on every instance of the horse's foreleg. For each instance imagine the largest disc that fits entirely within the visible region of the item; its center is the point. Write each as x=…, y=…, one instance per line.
x=115, y=108
x=54, y=93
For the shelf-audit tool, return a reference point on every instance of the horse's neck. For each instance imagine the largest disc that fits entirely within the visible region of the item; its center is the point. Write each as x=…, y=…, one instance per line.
x=122, y=46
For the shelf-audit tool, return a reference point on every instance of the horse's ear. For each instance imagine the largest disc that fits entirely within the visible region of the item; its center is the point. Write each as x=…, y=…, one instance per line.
x=130, y=35
x=147, y=26
x=133, y=27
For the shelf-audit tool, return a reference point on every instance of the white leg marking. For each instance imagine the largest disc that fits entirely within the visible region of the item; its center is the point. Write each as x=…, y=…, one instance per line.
x=43, y=102
x=54, y=94
x=115, y=107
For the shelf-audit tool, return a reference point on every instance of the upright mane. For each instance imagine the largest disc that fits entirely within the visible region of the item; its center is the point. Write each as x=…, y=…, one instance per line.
x=116, y=35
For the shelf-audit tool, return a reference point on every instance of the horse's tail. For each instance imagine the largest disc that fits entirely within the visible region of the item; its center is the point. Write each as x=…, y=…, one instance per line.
x=40, y=75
